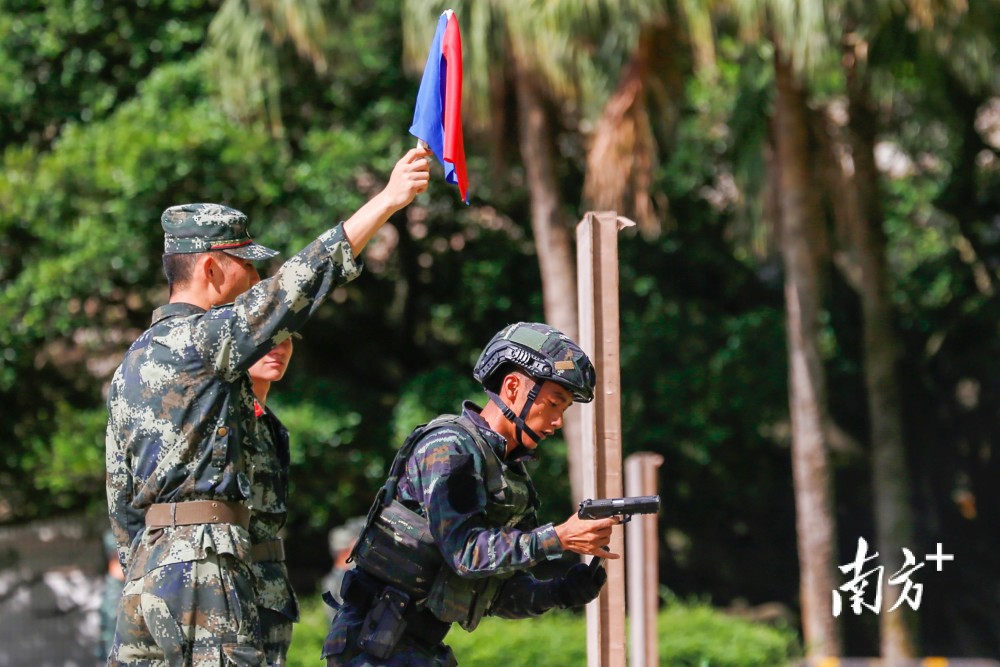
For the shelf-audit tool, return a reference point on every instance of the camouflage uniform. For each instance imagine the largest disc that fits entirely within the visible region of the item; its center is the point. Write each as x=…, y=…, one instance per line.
x=181, y=424
x=276, y=601
x=446, y=481
x=454, y=528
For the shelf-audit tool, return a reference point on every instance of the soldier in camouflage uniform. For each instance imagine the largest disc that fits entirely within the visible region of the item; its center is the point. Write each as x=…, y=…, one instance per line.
x=277, y=605
x=454, y=530
x=182, y=430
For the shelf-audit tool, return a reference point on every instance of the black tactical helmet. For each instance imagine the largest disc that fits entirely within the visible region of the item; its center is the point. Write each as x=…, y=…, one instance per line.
x=543, y=353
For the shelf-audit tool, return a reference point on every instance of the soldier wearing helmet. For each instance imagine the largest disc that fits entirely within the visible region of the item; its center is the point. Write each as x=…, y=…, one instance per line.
x=454, y=530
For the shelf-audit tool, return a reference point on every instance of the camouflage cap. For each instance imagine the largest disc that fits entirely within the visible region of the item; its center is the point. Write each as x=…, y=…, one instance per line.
x=190, y=228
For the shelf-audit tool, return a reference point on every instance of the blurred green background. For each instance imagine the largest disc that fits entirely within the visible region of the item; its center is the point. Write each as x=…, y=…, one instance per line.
x=840, y=154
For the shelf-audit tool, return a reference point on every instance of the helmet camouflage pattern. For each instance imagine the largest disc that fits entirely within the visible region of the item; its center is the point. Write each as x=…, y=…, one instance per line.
x=542, y=352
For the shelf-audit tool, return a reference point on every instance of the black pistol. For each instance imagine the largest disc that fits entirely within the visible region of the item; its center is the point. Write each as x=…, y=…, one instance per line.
x=621, y=507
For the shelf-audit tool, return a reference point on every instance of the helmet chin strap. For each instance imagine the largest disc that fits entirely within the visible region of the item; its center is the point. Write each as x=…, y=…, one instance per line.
x=518, y=420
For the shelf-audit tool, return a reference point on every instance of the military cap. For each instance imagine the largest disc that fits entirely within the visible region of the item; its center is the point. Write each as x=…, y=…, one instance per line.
x=541, y=351
x=190, y=228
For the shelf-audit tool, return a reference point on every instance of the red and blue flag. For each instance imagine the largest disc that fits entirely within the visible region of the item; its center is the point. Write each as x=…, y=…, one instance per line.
x=437, y=117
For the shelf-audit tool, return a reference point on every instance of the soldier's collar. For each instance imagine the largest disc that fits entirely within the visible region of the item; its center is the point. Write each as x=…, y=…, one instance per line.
x=175, y=310
x=496, y=441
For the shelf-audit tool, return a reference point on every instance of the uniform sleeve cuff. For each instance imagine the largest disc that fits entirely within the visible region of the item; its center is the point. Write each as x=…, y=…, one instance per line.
x=339, y=249
x=549, y=541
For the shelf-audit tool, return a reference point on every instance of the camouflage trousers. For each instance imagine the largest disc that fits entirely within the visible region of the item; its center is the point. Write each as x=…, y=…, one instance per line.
x=341, y=646
x=193, y=614
x=276, y=630
x=109, y=616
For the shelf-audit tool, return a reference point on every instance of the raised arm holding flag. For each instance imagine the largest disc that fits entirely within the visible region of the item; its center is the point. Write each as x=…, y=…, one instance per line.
x=437, y=117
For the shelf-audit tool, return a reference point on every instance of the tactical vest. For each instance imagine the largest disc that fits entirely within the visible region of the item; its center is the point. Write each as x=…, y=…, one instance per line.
x=396, y=545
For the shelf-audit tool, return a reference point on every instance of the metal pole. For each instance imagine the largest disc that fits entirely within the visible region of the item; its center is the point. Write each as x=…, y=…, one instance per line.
x=642, y=561
x=597, y=285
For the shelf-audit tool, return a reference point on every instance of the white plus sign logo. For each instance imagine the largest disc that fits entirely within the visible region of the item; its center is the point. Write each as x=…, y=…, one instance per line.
x=939, y=557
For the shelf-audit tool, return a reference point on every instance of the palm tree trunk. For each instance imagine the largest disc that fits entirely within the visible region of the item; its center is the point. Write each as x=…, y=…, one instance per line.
x=622, y=154
x=552, y=238
x=800, y=235
x=890, y=475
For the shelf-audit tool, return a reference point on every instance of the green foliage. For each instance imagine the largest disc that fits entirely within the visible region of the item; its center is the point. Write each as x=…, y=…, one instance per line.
x=431, y=394
x=72, y=459
x=556, y=638
x=308, y=634
x=108, y=115
x=325, y=439
x=107, y=183
x=699, y=636
x=701, y=320
x=692, y=635
x=74, y=60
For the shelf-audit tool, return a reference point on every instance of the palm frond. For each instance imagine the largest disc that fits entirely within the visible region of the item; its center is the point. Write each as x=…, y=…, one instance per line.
x=243, y=40
x=244, y=64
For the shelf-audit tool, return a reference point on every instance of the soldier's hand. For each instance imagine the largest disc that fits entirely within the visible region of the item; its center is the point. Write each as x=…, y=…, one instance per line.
x=587, y=536
x=409, y=178
x=580, y=585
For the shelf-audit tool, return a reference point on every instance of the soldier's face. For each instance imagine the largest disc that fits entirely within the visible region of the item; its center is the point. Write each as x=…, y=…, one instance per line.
x=272, y=366
x=239, y=276
x=546, y=414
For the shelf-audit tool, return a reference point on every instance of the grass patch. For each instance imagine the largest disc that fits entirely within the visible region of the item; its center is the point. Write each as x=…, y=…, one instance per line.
x=690, y=635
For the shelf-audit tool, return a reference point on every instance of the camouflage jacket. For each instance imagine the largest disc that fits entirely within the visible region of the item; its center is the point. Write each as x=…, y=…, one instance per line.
x=180, y=406
x=269, y=463
x=444, y=481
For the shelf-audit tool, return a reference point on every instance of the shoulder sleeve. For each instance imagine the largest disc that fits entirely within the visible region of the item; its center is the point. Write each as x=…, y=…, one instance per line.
x=126, y=523
x=448, y=470
x=231, y=338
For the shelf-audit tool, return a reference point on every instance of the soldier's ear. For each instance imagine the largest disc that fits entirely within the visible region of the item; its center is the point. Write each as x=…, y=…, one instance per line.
x=509, y=386
x=208, y=270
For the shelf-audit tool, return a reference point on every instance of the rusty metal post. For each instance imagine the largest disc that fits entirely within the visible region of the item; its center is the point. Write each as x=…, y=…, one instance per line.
x=642, y=562
x=597, y=285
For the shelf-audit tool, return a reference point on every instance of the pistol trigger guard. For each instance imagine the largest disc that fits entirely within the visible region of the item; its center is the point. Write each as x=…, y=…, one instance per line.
x=625, y=519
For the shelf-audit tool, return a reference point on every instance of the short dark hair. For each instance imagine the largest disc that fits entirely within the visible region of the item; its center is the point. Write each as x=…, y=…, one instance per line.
x=179, y=267
x=496, y=380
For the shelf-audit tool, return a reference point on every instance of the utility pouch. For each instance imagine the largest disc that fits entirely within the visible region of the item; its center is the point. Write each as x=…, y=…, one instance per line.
x=456, y=599
x=451, y=597
x=398, y=549
x=384, y=624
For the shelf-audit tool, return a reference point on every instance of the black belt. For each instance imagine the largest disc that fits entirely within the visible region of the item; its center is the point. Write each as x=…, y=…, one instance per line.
x=360, y=590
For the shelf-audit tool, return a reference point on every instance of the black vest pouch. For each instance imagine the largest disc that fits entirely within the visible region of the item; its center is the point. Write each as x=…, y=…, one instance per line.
x=450, y=595
x=398, y=549
x=456, y=599
x=384, y=624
